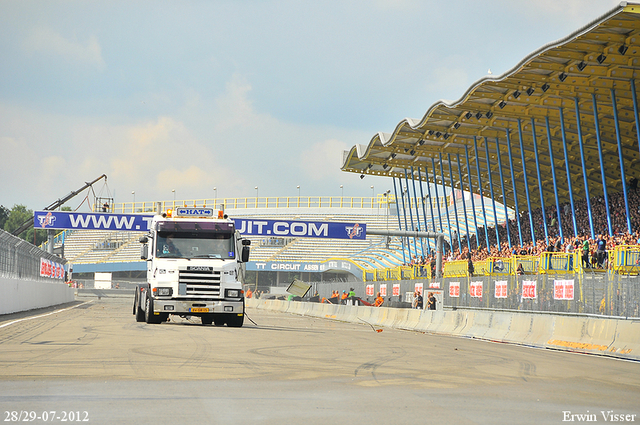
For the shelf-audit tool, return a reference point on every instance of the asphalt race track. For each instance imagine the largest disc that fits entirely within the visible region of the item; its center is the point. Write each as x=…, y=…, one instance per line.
x=91, y=362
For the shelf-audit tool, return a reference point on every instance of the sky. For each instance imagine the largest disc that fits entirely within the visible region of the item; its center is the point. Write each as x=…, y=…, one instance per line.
x=196, y=95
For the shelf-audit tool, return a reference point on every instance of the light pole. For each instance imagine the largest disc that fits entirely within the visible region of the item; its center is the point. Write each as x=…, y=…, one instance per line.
x=215, y=193
x=256, y=188
x=133, y=209
x=174, y=198
x=298, y=187
x=341, y=191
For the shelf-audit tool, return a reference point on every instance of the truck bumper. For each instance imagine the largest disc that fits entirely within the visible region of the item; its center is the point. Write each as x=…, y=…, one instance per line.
x=197, y=307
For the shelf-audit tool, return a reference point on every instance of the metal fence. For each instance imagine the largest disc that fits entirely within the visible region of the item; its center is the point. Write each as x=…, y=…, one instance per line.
x=601, y=293
x=22, y=260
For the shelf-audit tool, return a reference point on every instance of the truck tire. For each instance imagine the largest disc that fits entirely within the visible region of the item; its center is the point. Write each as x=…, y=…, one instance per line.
x=235, y=320
x=207, y=320
x=138, y=311
x=148, y=312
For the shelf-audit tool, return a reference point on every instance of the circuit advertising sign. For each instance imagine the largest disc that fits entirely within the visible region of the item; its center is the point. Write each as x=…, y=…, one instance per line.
x=255, y=227
x=312, y=229
x=91, y=221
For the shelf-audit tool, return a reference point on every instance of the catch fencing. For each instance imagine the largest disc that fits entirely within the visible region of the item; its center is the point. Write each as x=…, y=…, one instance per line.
x=599, y=293
x=21, y=260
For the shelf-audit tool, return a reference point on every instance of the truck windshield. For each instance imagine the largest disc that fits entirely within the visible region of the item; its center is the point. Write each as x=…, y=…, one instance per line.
x=200, y=244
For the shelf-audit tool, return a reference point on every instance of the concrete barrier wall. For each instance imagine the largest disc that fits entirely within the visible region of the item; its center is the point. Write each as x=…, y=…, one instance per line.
x=585, y=334
x=21, y=295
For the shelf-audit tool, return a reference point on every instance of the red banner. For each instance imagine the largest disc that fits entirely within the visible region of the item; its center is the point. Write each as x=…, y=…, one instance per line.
x=501, y=289
x=529, y=289
x=419, y=287
x=369, y=291
x=396, y=290
x=383, y=289
x=476, y=289
x=454, y=289
x=563, y=289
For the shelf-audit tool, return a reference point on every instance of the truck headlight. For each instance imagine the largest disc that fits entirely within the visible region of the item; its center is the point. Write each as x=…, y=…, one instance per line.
x=165, y=292
x=233, y=293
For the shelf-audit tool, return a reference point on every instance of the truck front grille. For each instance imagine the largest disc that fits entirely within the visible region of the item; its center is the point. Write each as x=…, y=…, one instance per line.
x=200, y=283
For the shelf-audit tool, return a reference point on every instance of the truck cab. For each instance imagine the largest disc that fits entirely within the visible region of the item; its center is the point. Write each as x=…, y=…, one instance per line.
x=195, y=267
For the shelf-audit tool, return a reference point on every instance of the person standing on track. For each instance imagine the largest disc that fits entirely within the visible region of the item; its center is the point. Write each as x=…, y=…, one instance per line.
x=379, y=301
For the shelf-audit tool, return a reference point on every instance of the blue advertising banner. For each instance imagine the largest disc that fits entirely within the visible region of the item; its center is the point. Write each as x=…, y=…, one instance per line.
x=254, y=227
x=304, y=267
x=91, y=221
x=309, y=229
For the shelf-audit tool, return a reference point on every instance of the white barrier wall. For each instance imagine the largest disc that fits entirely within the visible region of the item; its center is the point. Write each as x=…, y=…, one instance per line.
x=21, y=295
x=585, y=334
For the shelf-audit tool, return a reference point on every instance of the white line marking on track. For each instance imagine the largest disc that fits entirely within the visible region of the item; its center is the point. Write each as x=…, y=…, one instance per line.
x=44, y=315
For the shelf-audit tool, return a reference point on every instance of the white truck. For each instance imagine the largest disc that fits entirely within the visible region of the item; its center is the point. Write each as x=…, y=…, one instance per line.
x=195, y=267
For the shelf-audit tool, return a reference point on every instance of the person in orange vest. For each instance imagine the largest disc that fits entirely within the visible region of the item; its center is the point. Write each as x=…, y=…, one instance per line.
x=249, y=293
x=344, y=295
x=379, y=301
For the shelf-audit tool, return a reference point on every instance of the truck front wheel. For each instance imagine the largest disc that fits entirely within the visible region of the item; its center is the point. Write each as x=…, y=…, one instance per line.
x=235, y=320
x=137, y=308
x=148, y=312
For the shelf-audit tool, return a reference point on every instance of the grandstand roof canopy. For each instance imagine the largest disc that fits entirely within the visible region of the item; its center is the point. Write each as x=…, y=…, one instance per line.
x=579, y=71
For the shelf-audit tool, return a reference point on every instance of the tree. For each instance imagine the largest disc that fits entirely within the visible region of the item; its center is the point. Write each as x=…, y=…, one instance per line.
x=4, y=215
x=18, y=215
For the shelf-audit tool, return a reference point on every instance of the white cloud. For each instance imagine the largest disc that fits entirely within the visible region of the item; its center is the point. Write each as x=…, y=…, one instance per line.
x=46, y=41
x=322, y=160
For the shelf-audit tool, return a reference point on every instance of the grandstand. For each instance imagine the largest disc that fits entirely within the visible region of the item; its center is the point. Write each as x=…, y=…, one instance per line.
x=91, y=251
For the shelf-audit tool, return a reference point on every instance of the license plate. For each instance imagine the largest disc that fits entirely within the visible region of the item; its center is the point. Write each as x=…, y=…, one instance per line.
x=198, y=310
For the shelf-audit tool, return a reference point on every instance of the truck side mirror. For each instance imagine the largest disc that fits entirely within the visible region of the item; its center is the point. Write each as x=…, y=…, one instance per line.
x=143, y=251
x=245, y=253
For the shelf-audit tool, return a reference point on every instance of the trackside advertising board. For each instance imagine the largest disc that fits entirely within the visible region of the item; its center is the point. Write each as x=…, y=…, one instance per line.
x=254, y=227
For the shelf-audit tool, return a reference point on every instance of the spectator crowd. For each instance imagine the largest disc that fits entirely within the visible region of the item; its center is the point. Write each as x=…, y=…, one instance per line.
x=593, y=250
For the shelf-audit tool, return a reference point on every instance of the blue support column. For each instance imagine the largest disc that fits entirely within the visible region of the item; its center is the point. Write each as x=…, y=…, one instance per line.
x=415, y=246
x=513, y=183
x=622, y=175
x=635, y=110
x=484, y=212
x=602, y=169
x=446, y=205
x=433, y=217
x=504, y=194
x=535, y=150
x=464, y=204
x=424, y=210
x=404, y=213
x=435, y=186
x=455, y=208
x=415, y=199
x=584, y=168
x=493, y=197
x=395, y=192
x=555, y=183
x=526, y=183
x=566, y=163
x=473, y=203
